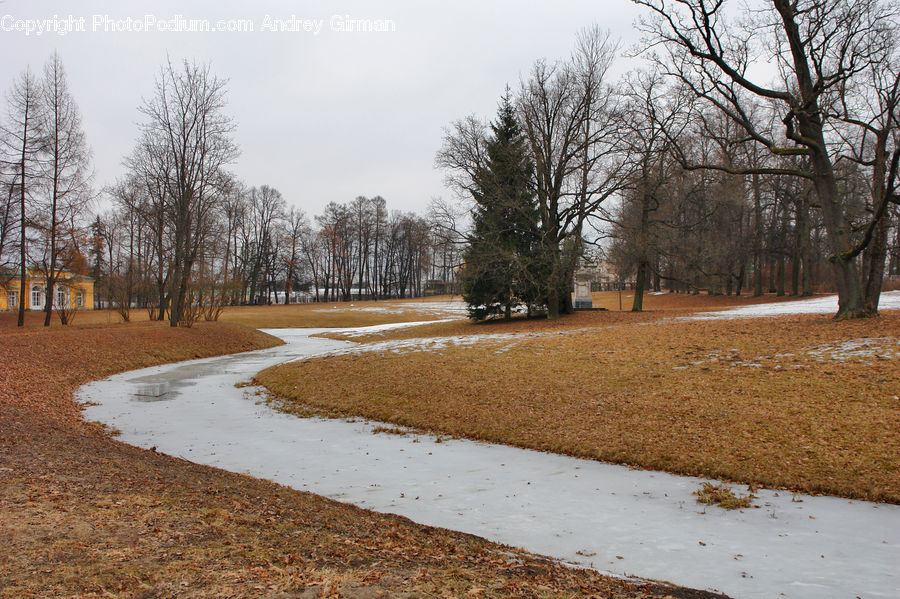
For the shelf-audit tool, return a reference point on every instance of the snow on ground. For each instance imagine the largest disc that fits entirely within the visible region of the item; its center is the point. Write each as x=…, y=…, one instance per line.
x=883, y=348
x=380, y=328
x=890, y=300
x=869, y=349
x=434, y=344
x=454, y=306
x=587, y=513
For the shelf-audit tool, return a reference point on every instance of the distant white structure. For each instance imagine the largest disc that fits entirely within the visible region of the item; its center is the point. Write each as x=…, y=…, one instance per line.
x=297, y=297
x=583, y=299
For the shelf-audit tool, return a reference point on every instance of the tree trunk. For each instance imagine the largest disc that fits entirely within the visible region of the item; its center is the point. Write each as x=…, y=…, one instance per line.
x=796, y=264
x=551, y=246
x=51, y=275
x=779, y=276
x=175, y=300
x=772, y=287
x=23, y=267
x=640, y=282
x=176, y=296
x=808, y=280
x=801, y=261
x=757, y=239
x=48, y=305
x=875, y=254
x=837, y=227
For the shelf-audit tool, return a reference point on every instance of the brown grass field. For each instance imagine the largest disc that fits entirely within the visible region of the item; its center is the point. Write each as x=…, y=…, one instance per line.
x=335, y=314
x=82, y=515
x=773, y=402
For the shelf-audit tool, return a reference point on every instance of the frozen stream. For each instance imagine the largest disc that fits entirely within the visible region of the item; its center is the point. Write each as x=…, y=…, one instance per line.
x=611, y=518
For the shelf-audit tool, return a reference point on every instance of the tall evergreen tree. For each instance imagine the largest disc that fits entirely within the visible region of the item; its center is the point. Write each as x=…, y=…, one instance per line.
x=501, y=263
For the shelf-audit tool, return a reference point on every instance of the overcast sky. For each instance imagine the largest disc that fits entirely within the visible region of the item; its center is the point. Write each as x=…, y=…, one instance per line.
x=322, y=116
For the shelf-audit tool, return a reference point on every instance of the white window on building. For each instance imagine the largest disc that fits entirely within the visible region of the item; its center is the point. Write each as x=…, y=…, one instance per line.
x=79, y=299
x=37, y=296
x=11, y=298
x=62, y=297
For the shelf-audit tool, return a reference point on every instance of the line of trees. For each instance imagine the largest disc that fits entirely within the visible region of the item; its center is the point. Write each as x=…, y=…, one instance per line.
x=828, y=121
x=45, y=175
x=183, y=237
x=698, y=173
x=257, y=250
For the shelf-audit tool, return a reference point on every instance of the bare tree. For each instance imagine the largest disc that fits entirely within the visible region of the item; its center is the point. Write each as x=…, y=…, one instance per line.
x=21, y=137
x=649, y=113
x=450, y=224
x=234, y=212
x=266, y=209
x=295, y=230
x=463, y=154
x=8, y=215
x=870, y=112
x=186, y=144
x=566, y=111
x=146, y=191
x=312, y=247
x=66, y=180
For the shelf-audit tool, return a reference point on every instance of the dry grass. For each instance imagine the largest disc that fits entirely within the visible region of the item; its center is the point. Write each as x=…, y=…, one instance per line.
x=609, y=300
x=722, y=496
x=669, y=305
x=761, y=401
x=463, y=327
x=337, y=314
x=82, y=515
x=334, y=314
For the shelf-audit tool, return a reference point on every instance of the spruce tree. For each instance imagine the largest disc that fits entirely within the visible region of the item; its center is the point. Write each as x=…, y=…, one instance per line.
x=502, y=268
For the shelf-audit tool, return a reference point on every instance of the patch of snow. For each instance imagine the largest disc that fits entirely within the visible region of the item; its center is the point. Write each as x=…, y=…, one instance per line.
x=455, y=307
x=865, y=347
x=890, y=300
x=379, y=328
x=879, y=348
x=584, y=512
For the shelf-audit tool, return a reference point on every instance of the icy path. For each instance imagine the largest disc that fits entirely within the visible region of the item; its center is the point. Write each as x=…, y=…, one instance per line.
x=587, y=513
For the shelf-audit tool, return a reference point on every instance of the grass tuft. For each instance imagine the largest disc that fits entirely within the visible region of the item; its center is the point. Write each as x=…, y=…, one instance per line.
x=390, y=430
x=723, y=496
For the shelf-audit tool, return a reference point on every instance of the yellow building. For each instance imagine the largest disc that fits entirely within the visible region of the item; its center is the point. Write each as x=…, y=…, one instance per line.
x=72, y=291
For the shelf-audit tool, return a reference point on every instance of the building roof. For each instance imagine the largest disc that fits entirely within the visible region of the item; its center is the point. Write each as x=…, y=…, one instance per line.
x=35, y=272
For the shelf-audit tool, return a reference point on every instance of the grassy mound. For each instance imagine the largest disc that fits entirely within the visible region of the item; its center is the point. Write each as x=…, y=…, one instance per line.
x=802, y=403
